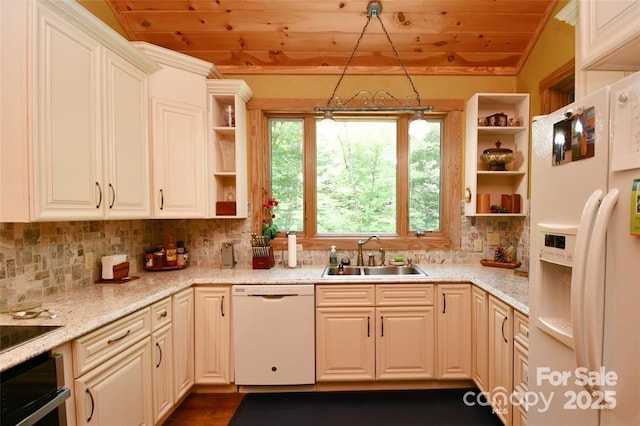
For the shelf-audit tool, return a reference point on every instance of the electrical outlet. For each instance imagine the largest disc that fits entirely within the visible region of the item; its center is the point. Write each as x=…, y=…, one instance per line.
x=298, y=247
x=493, y=238
x=89, y=260
x=477, y=245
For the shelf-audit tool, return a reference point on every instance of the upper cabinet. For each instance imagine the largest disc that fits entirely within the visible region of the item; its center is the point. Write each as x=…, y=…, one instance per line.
x=198, y=138
x=228, y=147
x=497, y=184
x=74, y=124
x=178, y=103
x=609, y=37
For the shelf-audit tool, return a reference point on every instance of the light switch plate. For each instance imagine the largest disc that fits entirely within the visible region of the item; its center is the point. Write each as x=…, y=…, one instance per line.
x=89, y=260
x=477, y=245
x=493, y=238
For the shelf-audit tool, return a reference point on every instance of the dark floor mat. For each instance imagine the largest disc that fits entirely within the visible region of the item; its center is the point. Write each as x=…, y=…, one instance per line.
x=442, y=407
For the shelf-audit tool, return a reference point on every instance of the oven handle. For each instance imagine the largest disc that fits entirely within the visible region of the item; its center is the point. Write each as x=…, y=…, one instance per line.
x=61, y=396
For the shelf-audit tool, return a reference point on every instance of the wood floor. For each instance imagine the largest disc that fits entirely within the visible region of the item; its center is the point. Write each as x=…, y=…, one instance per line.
x=210, y=409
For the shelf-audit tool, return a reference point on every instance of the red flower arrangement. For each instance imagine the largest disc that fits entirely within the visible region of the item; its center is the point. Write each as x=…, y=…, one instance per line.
x=268, y=228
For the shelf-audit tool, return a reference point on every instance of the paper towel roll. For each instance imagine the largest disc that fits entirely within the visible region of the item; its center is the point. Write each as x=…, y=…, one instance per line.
x=291, y=251
x=484, y=203
x=108, y=262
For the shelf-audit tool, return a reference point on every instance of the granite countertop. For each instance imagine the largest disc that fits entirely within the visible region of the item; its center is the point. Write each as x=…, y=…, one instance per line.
x=83, y=310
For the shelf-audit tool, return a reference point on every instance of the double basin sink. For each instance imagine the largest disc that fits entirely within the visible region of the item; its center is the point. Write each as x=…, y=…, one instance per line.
x=362, y=271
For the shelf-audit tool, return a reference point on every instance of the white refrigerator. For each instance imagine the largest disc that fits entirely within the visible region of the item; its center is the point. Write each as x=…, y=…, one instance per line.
x=584, y=320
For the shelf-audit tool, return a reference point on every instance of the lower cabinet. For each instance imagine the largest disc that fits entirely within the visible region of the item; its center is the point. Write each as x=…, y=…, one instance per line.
x=162, y=347
x=480, y=338
x=118, y=391
x=500, y=325
x=454, y=331
x=520, y=365
x=113, y=373
x=183, y=341
x=213, y=360
x=382, y=332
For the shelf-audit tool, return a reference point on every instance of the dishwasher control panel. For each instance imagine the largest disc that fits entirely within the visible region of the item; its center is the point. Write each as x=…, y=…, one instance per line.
x=273, y=290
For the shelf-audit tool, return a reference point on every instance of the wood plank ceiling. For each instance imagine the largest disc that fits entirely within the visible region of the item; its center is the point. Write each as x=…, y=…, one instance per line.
x=456, y=37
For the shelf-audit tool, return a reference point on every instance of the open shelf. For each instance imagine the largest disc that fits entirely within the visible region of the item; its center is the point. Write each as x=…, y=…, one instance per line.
x=512, y=182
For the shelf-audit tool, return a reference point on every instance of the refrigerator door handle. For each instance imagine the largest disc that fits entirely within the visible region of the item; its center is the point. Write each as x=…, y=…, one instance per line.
x=594, y=283
x=580, y=254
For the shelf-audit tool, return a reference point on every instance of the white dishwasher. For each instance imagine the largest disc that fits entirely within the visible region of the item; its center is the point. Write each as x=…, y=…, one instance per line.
x=274, y=334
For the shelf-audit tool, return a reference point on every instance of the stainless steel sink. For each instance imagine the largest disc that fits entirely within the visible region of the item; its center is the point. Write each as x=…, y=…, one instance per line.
x=361, y=271
x=330, y=271
x=392, y=270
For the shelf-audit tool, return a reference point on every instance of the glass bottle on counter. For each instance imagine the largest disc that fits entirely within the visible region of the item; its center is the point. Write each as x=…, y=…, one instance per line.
x=180, y=253
x=333, y=257
x=171, y=252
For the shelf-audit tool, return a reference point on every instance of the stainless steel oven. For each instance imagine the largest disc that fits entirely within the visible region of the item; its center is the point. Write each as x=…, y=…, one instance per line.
x=32, y=393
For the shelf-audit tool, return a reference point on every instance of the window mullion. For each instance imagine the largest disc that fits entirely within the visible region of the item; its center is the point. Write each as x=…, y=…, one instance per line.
x=402, y=176
x=310, y=182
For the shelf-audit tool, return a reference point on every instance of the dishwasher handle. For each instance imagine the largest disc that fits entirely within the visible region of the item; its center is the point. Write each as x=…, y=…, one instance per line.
x=273, y=296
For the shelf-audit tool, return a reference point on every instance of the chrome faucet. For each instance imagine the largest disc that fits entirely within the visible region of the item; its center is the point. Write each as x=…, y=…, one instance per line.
x=360, y=244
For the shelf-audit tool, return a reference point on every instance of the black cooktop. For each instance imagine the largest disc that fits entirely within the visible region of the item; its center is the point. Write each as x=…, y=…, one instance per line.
x=14, y=335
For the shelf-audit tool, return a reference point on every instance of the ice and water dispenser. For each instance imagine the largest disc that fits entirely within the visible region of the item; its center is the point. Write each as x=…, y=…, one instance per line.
x=557, y=243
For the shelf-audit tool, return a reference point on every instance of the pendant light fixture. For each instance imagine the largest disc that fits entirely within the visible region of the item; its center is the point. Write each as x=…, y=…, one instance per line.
x=379, y=100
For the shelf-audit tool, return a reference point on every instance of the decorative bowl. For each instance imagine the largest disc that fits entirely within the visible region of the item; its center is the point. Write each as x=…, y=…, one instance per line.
x=497, y=158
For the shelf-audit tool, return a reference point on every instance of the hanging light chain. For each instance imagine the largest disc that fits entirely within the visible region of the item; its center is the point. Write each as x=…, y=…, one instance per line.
x=395, y=51
x=377, y=99
x=353, y=53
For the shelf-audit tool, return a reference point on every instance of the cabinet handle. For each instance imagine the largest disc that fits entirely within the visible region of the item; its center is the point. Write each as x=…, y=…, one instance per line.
x=503, y=323
x=163, y=314
x=88, y=392
x=99, y=195
x=381, y=326
x=113, y=196
x=222, y=306
x=159, y=350
x=444, y=302
x=161, y=199
x=110, y=341
x=368, y=326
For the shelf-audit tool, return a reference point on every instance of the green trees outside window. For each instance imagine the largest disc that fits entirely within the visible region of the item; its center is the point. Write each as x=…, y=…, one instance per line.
x=357, y=175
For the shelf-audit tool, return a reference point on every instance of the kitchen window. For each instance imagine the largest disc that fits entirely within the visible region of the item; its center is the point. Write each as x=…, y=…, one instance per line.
x=366, y=174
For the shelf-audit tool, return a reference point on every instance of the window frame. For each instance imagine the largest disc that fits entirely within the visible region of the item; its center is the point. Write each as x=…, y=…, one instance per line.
x=450, y=111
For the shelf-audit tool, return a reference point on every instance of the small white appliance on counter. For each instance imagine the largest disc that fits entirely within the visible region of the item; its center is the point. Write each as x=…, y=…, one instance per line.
x=584, y=342
x=274, y=334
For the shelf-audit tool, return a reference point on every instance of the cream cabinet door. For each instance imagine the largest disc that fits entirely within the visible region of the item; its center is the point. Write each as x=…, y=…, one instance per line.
x=183, y=335
x=117, y=392
x=500, y=355
x=405, y=343
x=454, y=331
x=213, y=361
x=162, y=346
x=345, y=344
x=67, y=157
x=179, y=159
x=126, y=143
x=479, y=338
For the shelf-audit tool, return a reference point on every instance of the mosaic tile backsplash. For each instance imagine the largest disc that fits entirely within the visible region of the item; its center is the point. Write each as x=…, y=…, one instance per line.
x=45, y=258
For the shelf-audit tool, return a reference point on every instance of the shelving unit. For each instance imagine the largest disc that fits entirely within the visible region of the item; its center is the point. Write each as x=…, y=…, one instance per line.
x=228, y=147
x=480, y=136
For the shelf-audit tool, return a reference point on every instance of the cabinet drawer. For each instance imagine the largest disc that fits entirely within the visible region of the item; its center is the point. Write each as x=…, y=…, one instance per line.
x=96, y=347
x=160, y=313
x=345, y=295
x=404, y=294
x=521, y=328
